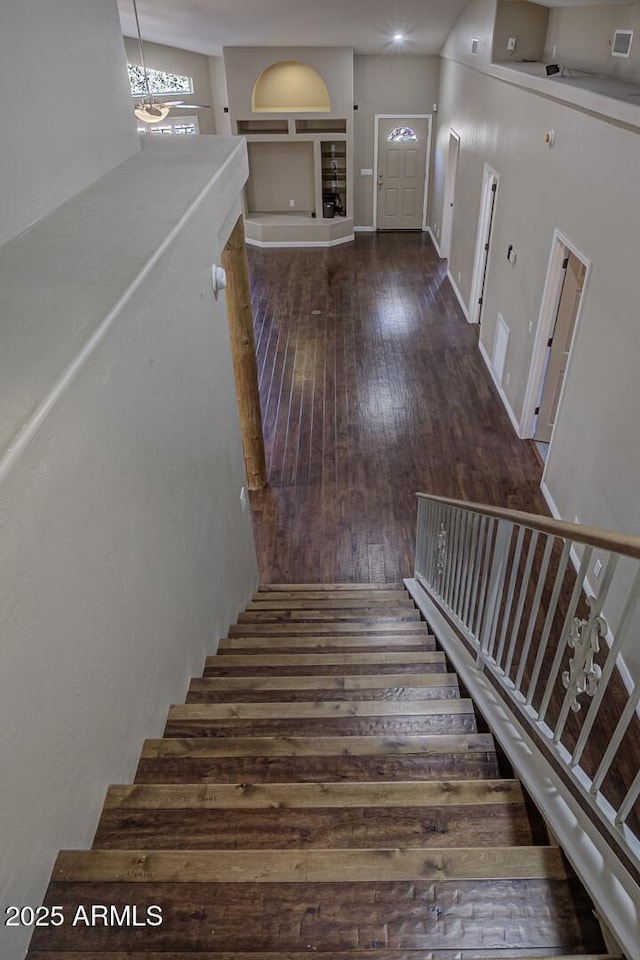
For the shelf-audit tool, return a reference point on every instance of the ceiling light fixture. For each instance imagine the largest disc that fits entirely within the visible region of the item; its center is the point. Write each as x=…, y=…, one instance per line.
x=398, y=36
x=150, y=110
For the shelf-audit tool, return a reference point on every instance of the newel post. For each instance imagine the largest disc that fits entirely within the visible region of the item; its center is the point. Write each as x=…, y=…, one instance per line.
x=243, y=350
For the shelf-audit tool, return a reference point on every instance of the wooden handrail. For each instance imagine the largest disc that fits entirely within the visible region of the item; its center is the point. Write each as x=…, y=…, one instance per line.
x=626, y=546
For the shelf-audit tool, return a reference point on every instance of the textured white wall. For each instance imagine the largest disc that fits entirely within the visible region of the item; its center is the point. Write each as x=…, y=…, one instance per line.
x=584, y=187
x=65, y=110
x=124, y=552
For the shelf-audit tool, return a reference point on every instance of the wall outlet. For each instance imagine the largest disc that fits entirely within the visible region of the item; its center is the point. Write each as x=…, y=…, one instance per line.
x=507, y=380
x=437, y=232
x=577, y=519
x=244, y=499
x=292, y=203
x=530, y=326
x=459, y=277
x=554, y=50
x=511, y=44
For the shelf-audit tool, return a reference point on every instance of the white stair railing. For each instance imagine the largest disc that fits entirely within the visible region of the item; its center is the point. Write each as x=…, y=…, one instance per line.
x=536, y=615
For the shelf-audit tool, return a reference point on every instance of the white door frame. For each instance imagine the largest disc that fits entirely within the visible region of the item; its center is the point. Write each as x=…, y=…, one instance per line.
x=487, y=205
x=376, y=131
x=448, y=199
x=548, y=311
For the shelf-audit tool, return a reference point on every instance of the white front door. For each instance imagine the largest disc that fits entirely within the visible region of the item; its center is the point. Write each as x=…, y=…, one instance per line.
x=402, y=165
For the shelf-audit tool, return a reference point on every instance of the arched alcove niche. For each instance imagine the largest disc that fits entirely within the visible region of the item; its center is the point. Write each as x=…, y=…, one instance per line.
x=290, y=87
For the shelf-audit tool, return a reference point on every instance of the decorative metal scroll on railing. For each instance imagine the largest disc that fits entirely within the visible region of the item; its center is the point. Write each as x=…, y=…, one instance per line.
x=548, y=609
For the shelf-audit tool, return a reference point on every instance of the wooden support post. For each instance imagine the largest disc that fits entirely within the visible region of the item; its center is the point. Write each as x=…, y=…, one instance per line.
x=245, y=367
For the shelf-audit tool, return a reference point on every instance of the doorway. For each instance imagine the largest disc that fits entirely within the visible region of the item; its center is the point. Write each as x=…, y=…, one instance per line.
x=403, y=149
x=449, y=194
x=563, y=298
x=483, y=243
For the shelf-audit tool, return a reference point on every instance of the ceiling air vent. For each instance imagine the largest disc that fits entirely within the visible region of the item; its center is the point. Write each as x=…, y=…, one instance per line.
x=621, y=46
x=475, y=43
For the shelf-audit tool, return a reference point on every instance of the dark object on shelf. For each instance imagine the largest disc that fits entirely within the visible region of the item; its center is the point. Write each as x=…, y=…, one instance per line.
x=552, y=69
x=328, y=209
x=335, y=200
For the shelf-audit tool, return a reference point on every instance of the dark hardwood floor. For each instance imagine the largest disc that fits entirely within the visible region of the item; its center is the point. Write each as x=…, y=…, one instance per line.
x=372, y=388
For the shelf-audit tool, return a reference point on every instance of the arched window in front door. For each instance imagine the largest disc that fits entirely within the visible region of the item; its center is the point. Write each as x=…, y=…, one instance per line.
x=402, y=135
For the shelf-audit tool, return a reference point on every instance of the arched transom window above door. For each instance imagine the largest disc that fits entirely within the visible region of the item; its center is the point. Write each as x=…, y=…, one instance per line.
x=402, y=135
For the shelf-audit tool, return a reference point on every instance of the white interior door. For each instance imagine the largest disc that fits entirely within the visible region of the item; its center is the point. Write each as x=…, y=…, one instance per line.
x=402, y=166
x=449, y=194
x=560, y=345
x=483, y=244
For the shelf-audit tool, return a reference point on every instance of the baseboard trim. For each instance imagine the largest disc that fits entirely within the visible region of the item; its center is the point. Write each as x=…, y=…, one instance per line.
x=454, y=286
x=298, y=243
x=364, y=229
x=501, y=393
x=434, y=242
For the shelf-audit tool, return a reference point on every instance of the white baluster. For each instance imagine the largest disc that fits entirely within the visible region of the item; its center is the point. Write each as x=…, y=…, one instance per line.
x=542, y=577
x=551, y=612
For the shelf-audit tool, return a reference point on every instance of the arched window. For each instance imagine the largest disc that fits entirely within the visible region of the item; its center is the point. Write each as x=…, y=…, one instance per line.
x=290, y=87
x=159, y=81
x=402, y=135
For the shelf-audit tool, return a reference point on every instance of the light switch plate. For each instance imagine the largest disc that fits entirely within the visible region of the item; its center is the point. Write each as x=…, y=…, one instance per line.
x=366, y=172
x=511, y=44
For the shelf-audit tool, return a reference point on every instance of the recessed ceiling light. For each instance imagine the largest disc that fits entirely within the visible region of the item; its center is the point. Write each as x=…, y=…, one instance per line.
x=398, y=36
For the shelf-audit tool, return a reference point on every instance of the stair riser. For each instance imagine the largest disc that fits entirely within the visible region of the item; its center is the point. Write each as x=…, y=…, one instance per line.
x=260, y=769
x=291, y=828
x=420, y=915
x=396, y=694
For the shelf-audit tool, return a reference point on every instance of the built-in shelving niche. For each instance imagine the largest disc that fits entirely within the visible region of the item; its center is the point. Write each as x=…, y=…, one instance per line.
x=299, y=180
x=334, y=174
x=264, y=127
x=321, y=126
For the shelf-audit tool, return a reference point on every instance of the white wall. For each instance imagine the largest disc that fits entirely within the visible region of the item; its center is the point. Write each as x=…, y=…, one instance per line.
x=186, y=64
x=585, y=187
x=385, y=84
x=124, y=552
x=65, y=110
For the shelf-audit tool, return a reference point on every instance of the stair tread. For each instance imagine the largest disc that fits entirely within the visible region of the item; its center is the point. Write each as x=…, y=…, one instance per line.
x=375, y=687
x=338, y=604
x=287, y=615
x=309, y=866
x=320, y=815
x=319, y=659
x=321, y=587
x=339, y=682
x=338, y=644
x=318, y=709
x=373, y=626
x=318, y=746
x=507, y=953
x=287, y=795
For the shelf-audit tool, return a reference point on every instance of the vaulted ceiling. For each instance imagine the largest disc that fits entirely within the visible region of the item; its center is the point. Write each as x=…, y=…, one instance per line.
x=205, y=26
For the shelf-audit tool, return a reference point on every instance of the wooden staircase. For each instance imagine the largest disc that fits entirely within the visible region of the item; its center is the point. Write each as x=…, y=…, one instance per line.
x=323, y=791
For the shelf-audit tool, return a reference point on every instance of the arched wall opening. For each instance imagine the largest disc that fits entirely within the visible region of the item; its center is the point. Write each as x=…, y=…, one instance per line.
x=290, y=87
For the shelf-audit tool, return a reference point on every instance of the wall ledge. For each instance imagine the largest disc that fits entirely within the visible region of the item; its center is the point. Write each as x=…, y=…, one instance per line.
x=64, y=281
